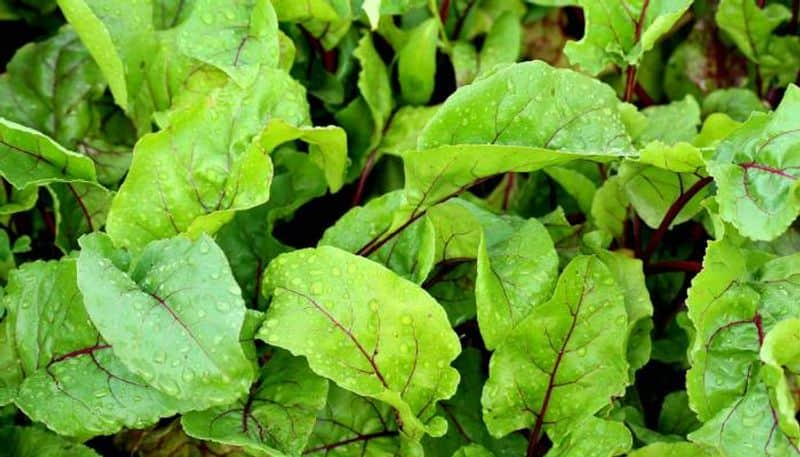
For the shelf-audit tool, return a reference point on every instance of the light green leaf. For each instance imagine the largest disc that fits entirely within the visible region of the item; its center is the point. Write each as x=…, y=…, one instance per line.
x=73, y=382
x=184, y=182
x=275, y=417
x=781, y=356
x=680, y=157
x=610, y=207
x=514, y=277
x=28, y=157
x=746, y=427
x=473, y=450
x=755, y=171
x=738, y=103
x=502, y=44
x=327, y=146
x=416, y=63
x=292, y=11
x=405, y=128
x=37, y=442
x=566, y=360
x=173, y=315
x=374, y=332
x=411, y=254
x=374, y=85
x=238, y=37
x=593, y=437
x=672, y=123
x=652, y=191
x=13, y=200
x=681, y=449
x=611, y=31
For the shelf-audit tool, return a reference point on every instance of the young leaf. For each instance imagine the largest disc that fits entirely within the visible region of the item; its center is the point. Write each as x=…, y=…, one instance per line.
x=374, y=332
x=621, y=32
x=416, y=63
x=184, y=182
x=80, y=208
x=755, y=169
x=515, y=277
x=173, y=315
x=565, y=360
x=276, y=416
x=244, y=39
x=28, y=157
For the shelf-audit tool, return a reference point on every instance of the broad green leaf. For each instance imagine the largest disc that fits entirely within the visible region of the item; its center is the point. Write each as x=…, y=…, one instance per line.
x=28, y=157
x=36, y=442
x=374, y=332
x=620, y=32
x=173, y=315
x=780, y=354
x=240, y=41
x=80, y=208
x=681, y=449
x=353, y=426
x=593, y=437
x=275, y=417
x=463, y=412
x=514, y=278
x=73, y=382
x=747, y=427
x=652, y=191
x=327, y=146
x=532, y=104
x=566, y=360
x=755, y=171
x=180, y=181
x=416, y=63
x=51, y=86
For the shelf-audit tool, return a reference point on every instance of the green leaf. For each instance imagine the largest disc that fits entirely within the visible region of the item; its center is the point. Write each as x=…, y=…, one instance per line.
x=276, y=416
x=514, y=277
x=593, y=437
x=240, y=41
x=676, y=416
x=181, y=182
x=13, y=200
x=564, y=362
x=73, y=382
x=353, y=426
x=404, y=130
x=473, y=450
x=80, y=208
x=652, y=191
x=327, y=146
x=754, y=169
x=416, y=63
x=28, y=157
x=576, y=184
x=411, y=254
x=502, y=45
x=374, y=332
x=736, y=102
x=51, y=87
x=621, y=32
x=671, y=123
x=747, y=426
x=681, y=449
x=610, y=207
x=781, y=356
x=36, y=442
x=374, y=85
x=173, y=315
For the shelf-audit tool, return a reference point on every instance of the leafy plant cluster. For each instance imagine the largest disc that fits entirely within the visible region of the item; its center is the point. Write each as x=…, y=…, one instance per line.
x=462, y=228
